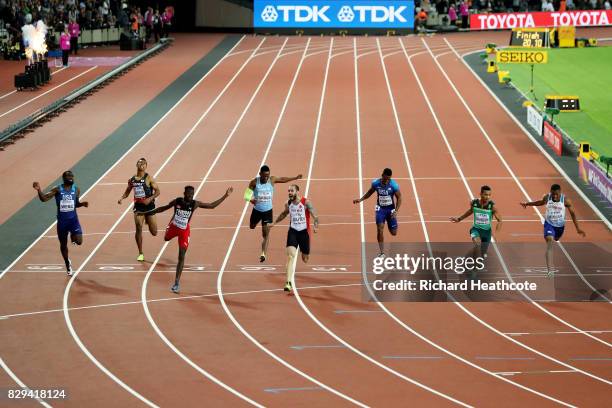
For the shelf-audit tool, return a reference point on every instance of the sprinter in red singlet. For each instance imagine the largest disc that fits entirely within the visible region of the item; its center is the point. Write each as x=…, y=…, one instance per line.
x=184, y=208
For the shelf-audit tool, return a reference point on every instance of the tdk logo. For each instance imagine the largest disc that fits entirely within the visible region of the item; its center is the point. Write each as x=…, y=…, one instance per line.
x=347, y=14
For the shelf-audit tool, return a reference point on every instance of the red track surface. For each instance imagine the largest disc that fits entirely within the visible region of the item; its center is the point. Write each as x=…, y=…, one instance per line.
x=106, y=110
x=323, y=346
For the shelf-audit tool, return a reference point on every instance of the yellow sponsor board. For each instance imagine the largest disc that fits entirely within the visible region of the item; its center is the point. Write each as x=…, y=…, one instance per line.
x=522, y=57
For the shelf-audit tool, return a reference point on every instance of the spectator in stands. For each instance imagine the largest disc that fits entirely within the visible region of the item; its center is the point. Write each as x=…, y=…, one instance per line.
x=157, y=25
x=421, y=20
x=148, y=22
x=546, y=6
x=607, y=5
x=123, y=18
x=166, y=19
x=75, y=31
x=452, y=14
x=65, y=46
x=134, y=26
x=464, y=13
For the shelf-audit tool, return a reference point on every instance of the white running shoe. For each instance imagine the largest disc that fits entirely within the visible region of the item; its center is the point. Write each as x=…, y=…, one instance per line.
x=69, y=270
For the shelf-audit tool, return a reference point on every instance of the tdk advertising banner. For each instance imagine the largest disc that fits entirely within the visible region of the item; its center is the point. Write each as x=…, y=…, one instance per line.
x=333, y=14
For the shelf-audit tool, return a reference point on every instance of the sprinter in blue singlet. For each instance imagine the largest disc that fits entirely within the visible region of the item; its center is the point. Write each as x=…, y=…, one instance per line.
x=260, y=193
x=388, y=202
x=67, y=200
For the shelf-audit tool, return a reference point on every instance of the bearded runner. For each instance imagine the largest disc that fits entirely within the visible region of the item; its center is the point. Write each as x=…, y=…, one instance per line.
x=299, y=210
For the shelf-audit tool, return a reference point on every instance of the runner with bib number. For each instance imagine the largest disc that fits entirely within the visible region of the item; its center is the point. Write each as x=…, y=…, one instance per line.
x=299, y=209
x=179, y=225
x=67, y=201
x=260, y=193
x=484, y=210
x=554, y=220
x=145, y=192
x=388, y=203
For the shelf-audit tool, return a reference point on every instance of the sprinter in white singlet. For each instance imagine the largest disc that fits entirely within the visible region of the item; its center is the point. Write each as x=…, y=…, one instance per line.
x=300, y=210
x=554, y=220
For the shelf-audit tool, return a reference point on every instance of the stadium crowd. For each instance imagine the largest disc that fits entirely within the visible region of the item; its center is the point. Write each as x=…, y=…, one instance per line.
x=80, y=15
x=456, y=12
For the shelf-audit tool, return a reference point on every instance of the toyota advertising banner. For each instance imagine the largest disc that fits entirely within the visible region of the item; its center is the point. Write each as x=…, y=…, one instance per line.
x=496, y=21
x=333, y=14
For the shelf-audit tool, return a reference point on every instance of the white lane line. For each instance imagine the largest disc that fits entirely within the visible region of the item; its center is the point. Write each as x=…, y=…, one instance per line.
x=504, y=266
x=225, y=261
x=12, y=92
x=46, y=92
x=20, y=383
x=424, y=226
x=143, y=292
x=557, y=332
x=108, y=171
x=175, y=298
x=352, y=179
x=535, y=142
x=67, y=319
x=306, y=191
x=525, y=195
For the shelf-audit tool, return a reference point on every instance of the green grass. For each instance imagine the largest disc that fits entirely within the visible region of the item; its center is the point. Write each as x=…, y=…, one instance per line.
x=586, y=72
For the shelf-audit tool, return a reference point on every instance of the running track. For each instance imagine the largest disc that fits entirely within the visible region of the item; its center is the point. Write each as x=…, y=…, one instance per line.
x=337, y=111
x=16, y=105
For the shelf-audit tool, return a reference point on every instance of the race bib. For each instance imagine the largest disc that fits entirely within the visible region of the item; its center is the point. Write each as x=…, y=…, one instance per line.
x=139, y=191
x=264, y=197
x=385, y=200
x=66, y=205
x=180, y=222
x=482, y=219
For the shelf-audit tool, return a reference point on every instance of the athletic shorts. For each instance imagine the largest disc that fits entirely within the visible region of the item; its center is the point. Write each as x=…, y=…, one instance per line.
x=555, y=232
x=140, y=207
x=71, y=226
x=264, y=216
x=384, y=214
x=182, y=234
x=485, y=235
x=299, y=239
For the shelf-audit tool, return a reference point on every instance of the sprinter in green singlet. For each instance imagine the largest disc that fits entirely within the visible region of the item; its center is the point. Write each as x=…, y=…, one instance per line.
x=484, y=210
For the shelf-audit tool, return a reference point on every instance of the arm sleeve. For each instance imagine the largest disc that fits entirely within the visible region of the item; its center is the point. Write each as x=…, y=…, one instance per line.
x=248, y=194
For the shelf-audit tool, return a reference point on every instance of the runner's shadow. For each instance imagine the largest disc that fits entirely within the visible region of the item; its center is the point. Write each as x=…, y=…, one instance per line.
x=332, y=299
x=94, y=286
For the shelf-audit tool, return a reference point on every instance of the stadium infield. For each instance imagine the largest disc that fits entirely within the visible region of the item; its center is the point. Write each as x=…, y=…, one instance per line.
x=574, y=71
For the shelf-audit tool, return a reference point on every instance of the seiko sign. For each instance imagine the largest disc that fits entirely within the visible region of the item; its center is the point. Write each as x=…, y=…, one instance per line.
x=333, y=14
